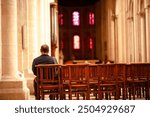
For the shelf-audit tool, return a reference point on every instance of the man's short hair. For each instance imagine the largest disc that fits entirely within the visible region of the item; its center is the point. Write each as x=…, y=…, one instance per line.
x=44, y=48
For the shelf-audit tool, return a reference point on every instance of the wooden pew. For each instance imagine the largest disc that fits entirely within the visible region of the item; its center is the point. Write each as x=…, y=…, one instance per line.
x=120, y=81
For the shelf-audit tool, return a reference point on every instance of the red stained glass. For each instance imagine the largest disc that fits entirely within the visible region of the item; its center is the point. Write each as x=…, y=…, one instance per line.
x=61, y=21
x=91, y=43
x=91, y=18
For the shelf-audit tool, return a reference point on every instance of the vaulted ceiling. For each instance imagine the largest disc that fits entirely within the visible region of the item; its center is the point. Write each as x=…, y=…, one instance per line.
x=76, y=3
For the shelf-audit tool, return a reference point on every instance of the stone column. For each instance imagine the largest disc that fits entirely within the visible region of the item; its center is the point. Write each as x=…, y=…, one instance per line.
x=11, y=85
x=32, y=41
x=116, y=40
x=136, y=32
x=9, y=39
x=127, y=42
x=121, y=32
x=124, y=36
x=112, y=51
x=32, y=32
x=143, y=39
x=0, y=45
x=147, y=10
x=39, y=22
x=131, y=37
x=54, y=30
x=130, y=40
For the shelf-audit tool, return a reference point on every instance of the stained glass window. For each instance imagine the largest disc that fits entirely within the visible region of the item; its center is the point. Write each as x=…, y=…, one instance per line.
x=76, y=18
x=91, y=43
x=91, y=18
x=61, y=21
x=76, y=42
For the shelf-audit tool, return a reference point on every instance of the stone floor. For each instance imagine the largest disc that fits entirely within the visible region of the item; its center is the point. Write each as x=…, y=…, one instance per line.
x=32, y=97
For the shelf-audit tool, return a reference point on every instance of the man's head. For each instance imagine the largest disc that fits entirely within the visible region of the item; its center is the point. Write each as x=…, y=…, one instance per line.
x=44, y=49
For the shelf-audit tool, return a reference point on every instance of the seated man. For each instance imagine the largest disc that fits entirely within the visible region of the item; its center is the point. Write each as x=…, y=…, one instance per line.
x=44, y=58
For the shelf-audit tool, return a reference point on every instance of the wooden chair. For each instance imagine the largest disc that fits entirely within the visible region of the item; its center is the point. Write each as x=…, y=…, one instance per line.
x=143, y=74
x=137, y=81
x=107, y=81
x=93, y=80
x=121, y=88
x=48, y=81
x=66, y=91
x=78, y=81
x=148, y=73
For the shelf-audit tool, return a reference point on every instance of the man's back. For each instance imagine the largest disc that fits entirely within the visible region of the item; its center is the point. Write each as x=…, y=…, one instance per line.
x=43, y=59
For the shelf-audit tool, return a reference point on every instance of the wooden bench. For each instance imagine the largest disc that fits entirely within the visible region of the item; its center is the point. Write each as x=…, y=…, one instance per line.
x=126, y=81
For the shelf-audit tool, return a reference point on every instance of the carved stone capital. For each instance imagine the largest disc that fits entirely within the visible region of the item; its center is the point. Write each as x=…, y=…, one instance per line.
x=142, y=14
x=130, y=18
x=147, y=4
x=114, y=16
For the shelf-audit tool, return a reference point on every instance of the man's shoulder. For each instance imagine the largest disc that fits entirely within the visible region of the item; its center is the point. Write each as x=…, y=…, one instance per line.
x=44, y=59
x=49, y=57
x=37, y=58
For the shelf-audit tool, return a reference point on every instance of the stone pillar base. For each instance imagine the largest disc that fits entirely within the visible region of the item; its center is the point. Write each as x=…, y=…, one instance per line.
x=30, y=85
x=14, y=89
x=29, y=78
